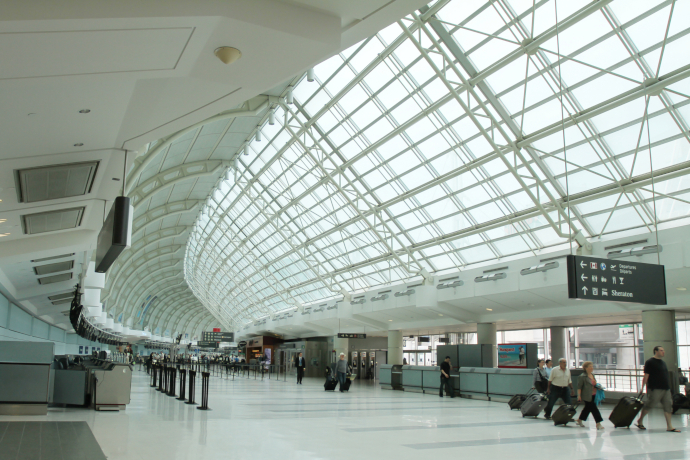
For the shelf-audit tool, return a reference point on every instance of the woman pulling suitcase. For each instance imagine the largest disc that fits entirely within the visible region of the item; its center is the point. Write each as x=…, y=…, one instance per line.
x=586, y=391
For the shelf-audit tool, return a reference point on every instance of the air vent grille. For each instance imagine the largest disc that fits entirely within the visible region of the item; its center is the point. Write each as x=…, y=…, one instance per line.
x=54, y=268
x=55, y=182
x=60, y=302
x=52, y=221
x=66, y=295
x=55, y=278
x=46, y=259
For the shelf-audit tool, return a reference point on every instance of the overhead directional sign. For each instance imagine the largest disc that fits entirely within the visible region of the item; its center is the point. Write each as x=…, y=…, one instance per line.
x=591, y=278
x=218, y=336
x=351, y=336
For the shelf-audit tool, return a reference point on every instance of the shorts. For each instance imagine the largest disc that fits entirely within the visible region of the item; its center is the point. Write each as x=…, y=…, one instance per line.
x=656, y=396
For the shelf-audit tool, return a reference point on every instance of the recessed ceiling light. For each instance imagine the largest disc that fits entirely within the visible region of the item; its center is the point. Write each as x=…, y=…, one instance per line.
x=79, y=144
x=84, y=111
x=3, y=234
x=227, y=54
x=490, y=309
x=390, y=320
x=440, y=314
x=682, y=289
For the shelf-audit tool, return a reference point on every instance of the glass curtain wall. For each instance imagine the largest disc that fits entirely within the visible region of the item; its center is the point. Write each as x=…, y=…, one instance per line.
x=451, y=139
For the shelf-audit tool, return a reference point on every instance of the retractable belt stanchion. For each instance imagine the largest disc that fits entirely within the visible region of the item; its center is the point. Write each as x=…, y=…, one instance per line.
x=192, y=376
x=160, y=378
x=183, y=382
x=171, y=391
x=166, y=378
x=204, y=391
x=153, y=375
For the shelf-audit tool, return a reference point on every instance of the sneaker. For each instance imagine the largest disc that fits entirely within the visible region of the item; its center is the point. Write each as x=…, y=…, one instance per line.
x=547, y=417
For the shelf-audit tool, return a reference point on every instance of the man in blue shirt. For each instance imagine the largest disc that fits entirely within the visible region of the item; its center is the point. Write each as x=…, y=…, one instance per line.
x=548, y=367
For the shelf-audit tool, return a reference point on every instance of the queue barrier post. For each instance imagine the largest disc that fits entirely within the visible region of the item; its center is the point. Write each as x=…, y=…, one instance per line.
x=153, y=376
x=204, y=391
x=183, y=382
x=171, y=391
x=192, y=377
x=160, y=378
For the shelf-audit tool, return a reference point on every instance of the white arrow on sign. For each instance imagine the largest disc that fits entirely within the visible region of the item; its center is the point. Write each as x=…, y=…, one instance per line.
x=583, y=277
x=584, y=289
x=582, y=264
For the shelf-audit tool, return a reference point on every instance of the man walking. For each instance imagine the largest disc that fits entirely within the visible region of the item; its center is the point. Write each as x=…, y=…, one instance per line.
x=548, y=367
x=560, y=386
x=341, y=371
x=445, y=378
x=299, y=365
x=658, y=389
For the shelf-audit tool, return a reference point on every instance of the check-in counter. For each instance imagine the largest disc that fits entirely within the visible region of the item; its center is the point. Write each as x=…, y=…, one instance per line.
x=412, y=378
x=491, y=383
x=25, y=377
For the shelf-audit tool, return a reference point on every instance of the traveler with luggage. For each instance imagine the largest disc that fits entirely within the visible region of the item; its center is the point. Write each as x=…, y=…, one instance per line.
x=560, y=386
x=658, y=389
x=586, y=391
x=445, y=378
x=299, y=365
x=341, y=371
x=540, y=381
x=548, y=367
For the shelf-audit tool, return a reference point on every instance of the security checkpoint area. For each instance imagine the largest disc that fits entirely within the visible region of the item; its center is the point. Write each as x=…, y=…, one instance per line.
x=289, y=228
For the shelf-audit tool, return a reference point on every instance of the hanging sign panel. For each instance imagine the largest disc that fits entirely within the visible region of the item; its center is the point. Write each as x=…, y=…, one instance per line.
x=613, y=280
x=351, y=336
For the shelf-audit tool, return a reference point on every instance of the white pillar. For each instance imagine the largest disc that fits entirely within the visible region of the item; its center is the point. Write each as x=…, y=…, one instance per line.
x=486, y=335
x=395, y=347
x=341, y=346
x=659, y=329
x=558, y=346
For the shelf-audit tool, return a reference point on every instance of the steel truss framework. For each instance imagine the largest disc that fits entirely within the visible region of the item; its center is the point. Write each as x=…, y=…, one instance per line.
x=463, y=133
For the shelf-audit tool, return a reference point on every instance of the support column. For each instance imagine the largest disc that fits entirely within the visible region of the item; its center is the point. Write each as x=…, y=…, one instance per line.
x=395, y=347
x=659, y=329
x=558, y=346
x=486, y=335
x=341, y=346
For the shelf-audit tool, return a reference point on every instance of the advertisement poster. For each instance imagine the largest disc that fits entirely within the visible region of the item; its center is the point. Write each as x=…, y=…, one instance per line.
x=512, y=355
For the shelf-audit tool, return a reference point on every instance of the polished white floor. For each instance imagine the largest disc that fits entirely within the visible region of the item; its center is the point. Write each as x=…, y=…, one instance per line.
x=282, y=420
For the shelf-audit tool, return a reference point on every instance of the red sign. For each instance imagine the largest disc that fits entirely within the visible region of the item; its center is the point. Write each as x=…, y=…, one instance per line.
x=216, y=329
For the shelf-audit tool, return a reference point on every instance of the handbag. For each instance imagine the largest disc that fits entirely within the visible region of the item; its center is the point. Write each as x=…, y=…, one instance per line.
x=542, y=384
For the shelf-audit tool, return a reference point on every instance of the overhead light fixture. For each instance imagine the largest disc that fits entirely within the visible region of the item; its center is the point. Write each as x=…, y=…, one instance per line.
x=440, y=314
x=681, y=289
x=639, y=251
x=489, y=309
x=539, y=268
x=271, y=117
x=448, y=283
x=228, y=174
x=404, y=293
x=4, y=234
x=258, y=135
x=246, y=151
x=85, y=111
x=494, y=277
x=289, y=98
x=390, y=320
x=79, y=144
x=227, y=54
x=358, y=300
x=310, y=75
x=383, y=295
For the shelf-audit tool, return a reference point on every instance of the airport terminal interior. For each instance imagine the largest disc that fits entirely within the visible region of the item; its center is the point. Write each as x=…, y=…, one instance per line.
x=284, y=228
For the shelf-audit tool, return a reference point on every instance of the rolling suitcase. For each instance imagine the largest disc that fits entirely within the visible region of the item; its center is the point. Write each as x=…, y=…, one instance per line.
x=330, y=384
x=564, y=414
x=626, y=410
x=516, y=401
x=533, y=405
x=346, y=387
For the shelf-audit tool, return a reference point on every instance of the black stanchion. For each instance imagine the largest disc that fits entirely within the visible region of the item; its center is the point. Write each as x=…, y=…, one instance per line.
x=172, y=382
x=204, y=391
x=183, y=382
x=192, y=377
x=160, y=378
x=153, y=376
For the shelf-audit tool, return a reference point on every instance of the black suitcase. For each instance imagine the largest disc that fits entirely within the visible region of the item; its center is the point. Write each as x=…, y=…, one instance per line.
x=346, y=387
x=564, y=414
x=623, y=415
x=533, y=405
x=516, y=401
x=680, y=401
x=330, y=384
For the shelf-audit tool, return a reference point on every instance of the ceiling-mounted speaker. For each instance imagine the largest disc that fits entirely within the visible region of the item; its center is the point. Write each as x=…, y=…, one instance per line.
x=227, y=54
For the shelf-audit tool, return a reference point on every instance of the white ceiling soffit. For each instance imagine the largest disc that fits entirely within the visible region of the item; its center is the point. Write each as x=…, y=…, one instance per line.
x=52, y=221
x=54, y=268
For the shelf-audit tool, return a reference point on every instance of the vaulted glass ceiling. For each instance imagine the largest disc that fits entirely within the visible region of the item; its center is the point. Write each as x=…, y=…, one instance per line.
x=453, y=137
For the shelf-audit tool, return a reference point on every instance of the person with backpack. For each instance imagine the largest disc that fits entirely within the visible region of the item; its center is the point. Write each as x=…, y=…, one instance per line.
x=540, y=380
x=586, y=392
